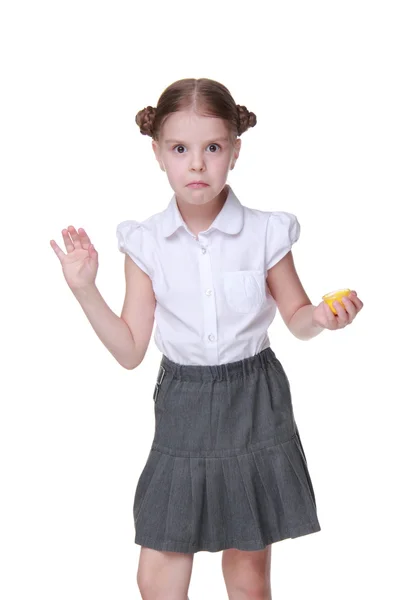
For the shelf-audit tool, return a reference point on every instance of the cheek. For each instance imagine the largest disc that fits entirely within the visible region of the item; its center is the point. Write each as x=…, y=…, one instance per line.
x=173, y=166
x=176, y=171
x=220, y=162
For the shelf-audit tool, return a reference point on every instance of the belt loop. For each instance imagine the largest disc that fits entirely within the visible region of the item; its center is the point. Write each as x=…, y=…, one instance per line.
x=161, y=374
x=160, y=377
x=156, y=390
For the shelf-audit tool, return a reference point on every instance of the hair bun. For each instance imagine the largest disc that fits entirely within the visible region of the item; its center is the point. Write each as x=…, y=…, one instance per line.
x=145, y=120
x=246, y=119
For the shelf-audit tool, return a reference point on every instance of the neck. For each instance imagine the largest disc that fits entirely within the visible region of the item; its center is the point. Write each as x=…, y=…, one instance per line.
x=199, y=217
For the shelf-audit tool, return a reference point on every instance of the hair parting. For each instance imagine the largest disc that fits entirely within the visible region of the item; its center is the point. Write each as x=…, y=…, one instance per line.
x=206, y=97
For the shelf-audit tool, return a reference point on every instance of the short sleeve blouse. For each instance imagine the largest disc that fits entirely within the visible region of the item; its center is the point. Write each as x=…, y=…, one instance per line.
x=283, y=230
x=213, y=304
x=133, y=239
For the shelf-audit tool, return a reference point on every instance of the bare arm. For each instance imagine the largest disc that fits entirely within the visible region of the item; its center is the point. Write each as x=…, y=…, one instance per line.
x=138, y=308
x=302, y=318
x=110, y=329
x=292, y=301
x=126, y=337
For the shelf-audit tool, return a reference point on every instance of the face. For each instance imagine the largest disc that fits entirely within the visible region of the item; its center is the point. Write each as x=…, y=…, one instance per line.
x=196, y=148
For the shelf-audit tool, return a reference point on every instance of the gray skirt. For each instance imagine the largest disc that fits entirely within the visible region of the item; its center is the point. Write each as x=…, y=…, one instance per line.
x=226, y=468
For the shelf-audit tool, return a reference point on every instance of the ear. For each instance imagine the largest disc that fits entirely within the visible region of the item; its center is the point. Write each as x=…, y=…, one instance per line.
x=156, y=150
x=236, y=152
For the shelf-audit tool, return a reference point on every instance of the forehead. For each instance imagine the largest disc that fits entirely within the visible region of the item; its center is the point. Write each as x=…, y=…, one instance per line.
x=189, y=126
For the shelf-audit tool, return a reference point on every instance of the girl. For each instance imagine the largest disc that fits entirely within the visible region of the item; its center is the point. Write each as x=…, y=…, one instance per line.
x=226, y=470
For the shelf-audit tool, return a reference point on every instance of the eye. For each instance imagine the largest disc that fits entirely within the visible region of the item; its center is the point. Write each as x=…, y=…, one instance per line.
x=179, y=146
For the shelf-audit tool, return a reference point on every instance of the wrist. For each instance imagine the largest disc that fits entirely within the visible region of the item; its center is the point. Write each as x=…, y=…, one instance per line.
x=303, y=324
x=314, y=323
x=84, y=291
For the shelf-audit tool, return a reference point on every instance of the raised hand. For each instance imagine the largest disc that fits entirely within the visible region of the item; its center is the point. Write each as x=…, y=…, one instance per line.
x=81, y=262
x=324, y=317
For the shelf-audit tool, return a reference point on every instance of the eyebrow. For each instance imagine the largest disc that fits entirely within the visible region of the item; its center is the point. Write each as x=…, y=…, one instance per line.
x=220, y=139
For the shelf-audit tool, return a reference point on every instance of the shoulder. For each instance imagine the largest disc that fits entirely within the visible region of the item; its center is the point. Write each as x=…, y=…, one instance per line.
x=141, y=240
x=146, y=227
x=276, y=217
x=149, y=227
x=137, y=240
x=279, y=230
x=130, y=233
x=273, y=222
x=285, y=224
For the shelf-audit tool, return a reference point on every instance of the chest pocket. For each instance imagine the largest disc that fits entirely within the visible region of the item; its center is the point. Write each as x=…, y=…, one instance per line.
x=244, y=290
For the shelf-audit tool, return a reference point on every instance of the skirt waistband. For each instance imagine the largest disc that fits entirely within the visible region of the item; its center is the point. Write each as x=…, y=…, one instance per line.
x=217, y=372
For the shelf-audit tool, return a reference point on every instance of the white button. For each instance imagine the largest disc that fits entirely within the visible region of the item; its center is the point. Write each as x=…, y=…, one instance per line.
x=211, y=337
x=203, y=250
x=208, y=292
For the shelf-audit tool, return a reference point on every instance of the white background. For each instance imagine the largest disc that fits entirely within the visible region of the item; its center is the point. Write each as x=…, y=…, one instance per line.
x=75, y=427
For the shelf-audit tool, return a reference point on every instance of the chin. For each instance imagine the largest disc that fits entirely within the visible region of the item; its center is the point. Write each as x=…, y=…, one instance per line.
x=197, y=201
x=195, y=195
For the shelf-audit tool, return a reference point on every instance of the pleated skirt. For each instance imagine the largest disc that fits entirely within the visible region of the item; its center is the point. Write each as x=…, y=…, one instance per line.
x=226, y=468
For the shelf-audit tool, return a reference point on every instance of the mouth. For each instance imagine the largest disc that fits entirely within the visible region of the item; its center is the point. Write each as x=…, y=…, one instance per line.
x=197, y=184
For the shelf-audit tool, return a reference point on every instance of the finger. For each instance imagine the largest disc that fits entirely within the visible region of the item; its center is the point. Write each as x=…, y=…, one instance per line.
x=67, y=241
x=343, y=317
x=358, y=304
x=350, y=307
x=75, y=236
x=356, y=300
x=57, y=250
x=330, y=317
x=85, y=240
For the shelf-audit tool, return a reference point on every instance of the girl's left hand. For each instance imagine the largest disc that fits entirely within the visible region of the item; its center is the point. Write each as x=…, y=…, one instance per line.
x=324, y=317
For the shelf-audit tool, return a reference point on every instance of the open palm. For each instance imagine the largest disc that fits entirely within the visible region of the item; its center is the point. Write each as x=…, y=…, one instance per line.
x=80, y=264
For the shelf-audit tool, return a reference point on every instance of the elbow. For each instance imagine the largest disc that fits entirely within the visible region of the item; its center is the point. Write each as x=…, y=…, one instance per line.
x=294, y=331
x=302, y=338
x=129, y=366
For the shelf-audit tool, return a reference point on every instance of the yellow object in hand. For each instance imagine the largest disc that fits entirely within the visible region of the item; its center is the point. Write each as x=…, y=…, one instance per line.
x=333, y=296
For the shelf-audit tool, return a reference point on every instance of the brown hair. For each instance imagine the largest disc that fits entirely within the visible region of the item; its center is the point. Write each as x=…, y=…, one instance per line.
x=205, y=96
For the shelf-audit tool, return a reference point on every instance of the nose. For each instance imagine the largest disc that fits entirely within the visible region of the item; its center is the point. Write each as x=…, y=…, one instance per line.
x=197, y=162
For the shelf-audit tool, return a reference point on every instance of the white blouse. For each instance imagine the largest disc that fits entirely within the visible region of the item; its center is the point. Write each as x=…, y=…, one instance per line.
x=213, y=304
